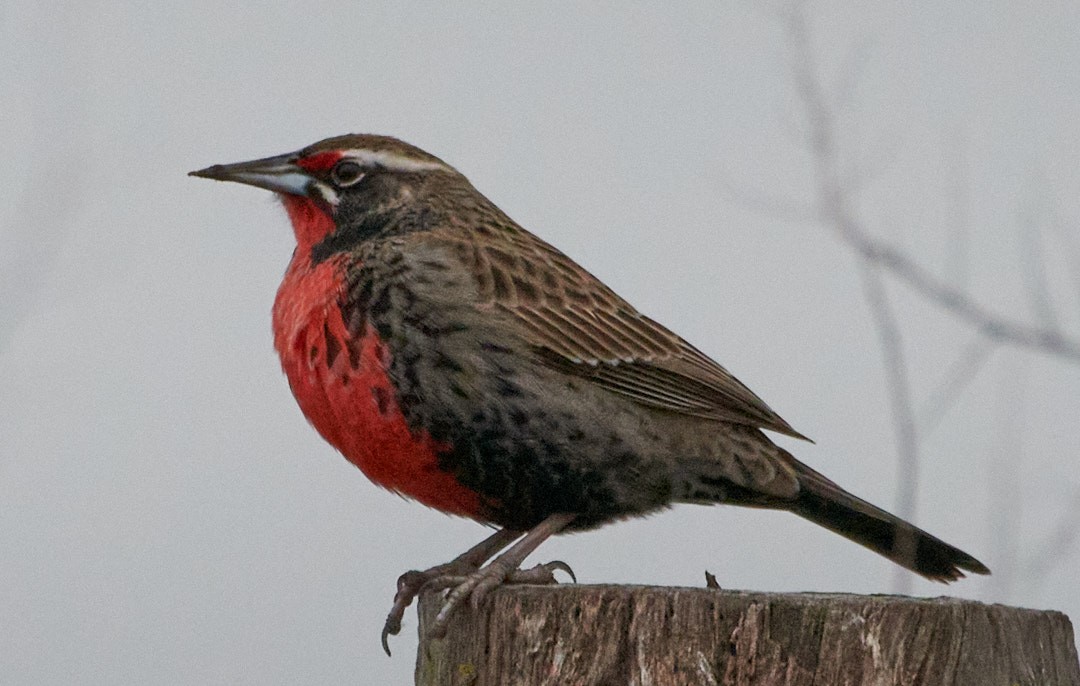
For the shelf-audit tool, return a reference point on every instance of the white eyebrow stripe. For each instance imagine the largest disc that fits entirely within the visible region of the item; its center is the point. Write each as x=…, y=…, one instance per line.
x=394, y=162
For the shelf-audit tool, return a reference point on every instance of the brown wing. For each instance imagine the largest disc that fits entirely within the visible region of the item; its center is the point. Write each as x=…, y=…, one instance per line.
x=581, y=326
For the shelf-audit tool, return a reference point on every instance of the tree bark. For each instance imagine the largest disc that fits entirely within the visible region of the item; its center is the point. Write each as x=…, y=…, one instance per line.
x=618, y=635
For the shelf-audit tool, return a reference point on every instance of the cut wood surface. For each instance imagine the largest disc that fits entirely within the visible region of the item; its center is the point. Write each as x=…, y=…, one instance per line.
x=572, y=635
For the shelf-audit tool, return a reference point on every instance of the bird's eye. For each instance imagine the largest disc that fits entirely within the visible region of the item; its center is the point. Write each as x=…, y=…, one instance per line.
x=346, y=173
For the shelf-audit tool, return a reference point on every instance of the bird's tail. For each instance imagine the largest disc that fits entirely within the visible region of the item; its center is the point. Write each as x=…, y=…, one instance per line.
x=823, y=502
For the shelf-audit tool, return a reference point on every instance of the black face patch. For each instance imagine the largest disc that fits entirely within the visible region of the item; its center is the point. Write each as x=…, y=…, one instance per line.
x=375, y=207
x=345, y=238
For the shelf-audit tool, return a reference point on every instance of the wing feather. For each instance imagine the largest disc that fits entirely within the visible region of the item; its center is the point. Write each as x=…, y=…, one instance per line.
x=581, y=326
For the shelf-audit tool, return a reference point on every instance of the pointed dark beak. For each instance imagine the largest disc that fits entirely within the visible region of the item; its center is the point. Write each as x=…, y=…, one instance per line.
x=279, y=174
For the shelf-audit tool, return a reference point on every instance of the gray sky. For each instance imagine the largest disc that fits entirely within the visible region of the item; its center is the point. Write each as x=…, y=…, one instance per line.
x=167, y=515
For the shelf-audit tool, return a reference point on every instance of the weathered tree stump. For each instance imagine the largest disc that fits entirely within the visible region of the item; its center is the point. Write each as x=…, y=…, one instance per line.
x=618, y=635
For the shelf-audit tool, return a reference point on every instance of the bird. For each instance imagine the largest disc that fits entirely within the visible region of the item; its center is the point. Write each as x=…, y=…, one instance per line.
x=463, y=362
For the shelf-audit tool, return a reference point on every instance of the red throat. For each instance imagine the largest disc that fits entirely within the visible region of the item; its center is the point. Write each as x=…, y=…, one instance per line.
x=310, y=222
x=341, y=380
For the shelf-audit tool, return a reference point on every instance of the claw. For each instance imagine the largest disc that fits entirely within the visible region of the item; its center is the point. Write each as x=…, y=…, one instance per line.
x=412, y=582
x=550, y=567
x=467, y=579
x=387, y=632
x=408, y=585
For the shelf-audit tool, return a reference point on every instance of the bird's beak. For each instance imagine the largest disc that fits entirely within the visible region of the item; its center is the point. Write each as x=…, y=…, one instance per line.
x=279, y=174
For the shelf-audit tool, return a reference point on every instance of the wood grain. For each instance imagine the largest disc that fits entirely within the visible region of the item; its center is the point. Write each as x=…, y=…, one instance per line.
x=649, y=636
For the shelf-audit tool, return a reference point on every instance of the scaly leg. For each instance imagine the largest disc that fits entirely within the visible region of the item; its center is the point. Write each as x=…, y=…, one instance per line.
x=410, y=583
x=476, y=585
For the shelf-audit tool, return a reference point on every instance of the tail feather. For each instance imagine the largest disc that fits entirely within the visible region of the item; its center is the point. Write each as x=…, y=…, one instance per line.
x=824, y=503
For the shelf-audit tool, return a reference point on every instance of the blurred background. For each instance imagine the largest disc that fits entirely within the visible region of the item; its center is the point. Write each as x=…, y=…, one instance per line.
x=868, y=212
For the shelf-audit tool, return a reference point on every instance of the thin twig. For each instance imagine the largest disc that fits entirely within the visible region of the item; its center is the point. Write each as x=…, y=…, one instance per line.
x=759, y=201
x=958, y=252
x=1067, y=232
x=1005, y=471
x=835, y=200
x=1034, y=265
x=1058, y=546
x=969, y=361
x=989, y=324
x=907, y=442
x=958, y=303
x=834, y=208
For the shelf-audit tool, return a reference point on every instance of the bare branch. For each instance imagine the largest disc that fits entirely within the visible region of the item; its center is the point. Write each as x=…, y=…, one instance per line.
x=851, y=75
x=859, y=173
x=1067, y=232
x=989, y=324
x=1006, y=457
x=835, y=203
x=907, y=444
x=57, y=101
x=1058, y=546
x=958, y=257
x=803, y=65
x=834, y=209
x=971, y=359
x=1033, y=263
x=763, y=203
x=834, y=206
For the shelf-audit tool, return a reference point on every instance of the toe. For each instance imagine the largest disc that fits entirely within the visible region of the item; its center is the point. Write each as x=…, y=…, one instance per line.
x=387, y=632
x=559, y=564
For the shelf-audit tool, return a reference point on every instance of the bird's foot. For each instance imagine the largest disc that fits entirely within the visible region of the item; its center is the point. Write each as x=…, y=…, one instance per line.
x=467, y=581
x=475, y=587
x=409, y=586
x=410, y=583
x=468, y=578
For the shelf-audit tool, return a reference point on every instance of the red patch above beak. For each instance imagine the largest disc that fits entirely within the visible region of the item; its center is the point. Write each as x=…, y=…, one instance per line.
x=320, y=161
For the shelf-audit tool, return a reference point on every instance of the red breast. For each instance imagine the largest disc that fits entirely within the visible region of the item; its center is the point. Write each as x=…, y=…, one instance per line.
x=341, y=383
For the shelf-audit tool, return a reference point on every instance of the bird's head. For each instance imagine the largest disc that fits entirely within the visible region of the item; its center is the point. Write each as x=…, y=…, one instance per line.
x=340, y=182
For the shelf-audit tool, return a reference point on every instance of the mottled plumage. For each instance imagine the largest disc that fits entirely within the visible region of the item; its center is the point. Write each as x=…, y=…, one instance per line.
x=459, y=359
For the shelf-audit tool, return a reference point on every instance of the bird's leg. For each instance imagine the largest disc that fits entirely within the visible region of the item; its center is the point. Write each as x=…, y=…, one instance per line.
x=476, y=585
x=410, y=583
